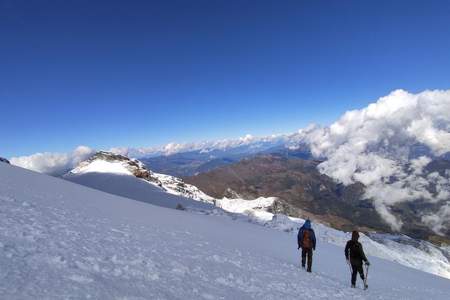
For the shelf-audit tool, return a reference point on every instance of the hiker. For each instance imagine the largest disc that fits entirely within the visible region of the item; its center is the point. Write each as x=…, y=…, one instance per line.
x=355, y=256
x=307, y=241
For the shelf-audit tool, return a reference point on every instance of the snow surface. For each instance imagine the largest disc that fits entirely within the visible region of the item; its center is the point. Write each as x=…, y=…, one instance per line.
x=176, y=186
x=255, y=209
x=241, y=206
x=102, y=166
x=136, y=189
x=61, y=240
x=416, y=254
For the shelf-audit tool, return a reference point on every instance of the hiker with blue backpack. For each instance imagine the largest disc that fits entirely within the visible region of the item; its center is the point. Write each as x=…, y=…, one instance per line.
x=307, y=241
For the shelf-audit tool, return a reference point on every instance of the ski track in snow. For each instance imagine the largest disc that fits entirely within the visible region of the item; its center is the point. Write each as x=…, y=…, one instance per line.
x=59, y=240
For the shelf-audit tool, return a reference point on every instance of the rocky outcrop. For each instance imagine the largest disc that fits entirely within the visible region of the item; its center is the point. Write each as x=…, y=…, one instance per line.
x=4, y=160
x=133, y=165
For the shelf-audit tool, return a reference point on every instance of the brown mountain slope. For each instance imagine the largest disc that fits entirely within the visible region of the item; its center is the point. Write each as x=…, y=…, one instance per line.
x=302, y=191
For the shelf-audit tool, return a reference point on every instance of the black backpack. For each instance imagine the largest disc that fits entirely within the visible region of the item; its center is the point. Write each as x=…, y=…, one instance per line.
x=355, y=250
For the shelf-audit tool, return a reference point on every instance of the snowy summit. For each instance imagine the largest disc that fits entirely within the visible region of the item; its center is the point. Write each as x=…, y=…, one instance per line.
x=120, y=175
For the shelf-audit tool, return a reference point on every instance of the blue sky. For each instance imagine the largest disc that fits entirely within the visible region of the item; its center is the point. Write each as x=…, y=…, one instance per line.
x=141, y=73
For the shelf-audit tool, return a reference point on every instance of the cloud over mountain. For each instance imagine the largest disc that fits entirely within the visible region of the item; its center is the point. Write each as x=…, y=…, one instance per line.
x=53, y=163
x=379, y=147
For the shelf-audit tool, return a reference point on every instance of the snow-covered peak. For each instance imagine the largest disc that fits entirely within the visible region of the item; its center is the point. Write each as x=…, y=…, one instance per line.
x=110, y=163
x=101, y=166
x=107, y=162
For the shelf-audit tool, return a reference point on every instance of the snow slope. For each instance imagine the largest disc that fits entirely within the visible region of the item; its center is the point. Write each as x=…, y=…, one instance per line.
x=62, y=240
x=402, y=249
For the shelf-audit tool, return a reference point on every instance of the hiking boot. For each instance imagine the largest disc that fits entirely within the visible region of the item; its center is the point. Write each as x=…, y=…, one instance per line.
x=353, y=286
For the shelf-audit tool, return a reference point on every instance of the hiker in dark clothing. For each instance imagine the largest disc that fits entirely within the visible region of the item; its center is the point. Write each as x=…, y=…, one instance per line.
x=307, y=241
x=354, y=254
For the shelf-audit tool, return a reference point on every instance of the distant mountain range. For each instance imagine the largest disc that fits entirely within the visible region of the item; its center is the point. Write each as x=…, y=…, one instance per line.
x=200, y=161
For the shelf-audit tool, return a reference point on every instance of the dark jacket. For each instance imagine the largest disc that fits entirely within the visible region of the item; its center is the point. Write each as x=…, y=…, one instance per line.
x=354, y=251
x=306, y=226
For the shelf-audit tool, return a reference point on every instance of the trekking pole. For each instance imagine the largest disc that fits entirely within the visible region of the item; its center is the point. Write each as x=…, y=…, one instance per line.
x=365, y=277
x=349, y=266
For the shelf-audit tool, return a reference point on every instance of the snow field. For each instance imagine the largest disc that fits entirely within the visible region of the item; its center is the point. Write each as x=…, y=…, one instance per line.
x=60, y=240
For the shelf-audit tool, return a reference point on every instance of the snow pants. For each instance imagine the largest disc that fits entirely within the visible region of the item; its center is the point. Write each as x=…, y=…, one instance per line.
x=307, y=254
x=357, y=268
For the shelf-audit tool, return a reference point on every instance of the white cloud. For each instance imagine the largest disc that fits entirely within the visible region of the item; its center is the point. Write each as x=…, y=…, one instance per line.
x=53, y=163
x=374, y=146
x=439, y=221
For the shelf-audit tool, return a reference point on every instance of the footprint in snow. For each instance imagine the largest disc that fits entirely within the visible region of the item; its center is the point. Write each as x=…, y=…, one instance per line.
x=81, y=279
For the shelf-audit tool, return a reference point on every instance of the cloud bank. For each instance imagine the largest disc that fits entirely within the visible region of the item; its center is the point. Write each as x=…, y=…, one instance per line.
x=59, y=163
x=53, y=163
x=386, y=146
